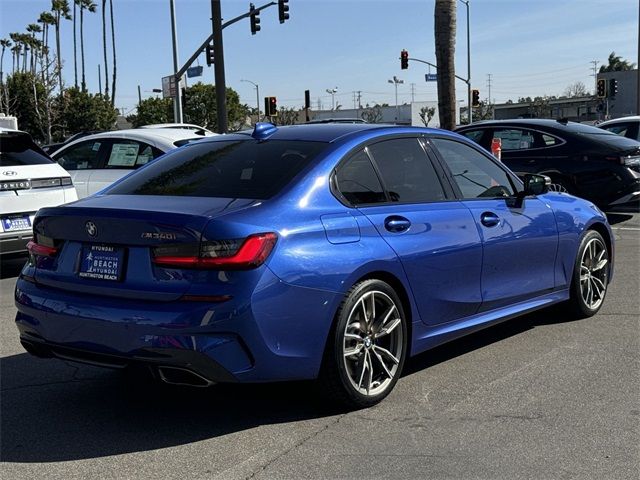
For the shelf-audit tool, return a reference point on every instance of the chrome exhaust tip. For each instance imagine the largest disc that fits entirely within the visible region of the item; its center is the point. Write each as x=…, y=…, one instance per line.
x=183, y=376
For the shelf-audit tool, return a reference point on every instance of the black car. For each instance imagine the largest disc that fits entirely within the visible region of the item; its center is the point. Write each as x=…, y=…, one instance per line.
x=586, y=161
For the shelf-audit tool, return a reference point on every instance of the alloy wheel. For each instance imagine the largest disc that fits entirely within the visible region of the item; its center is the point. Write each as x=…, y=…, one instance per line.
x=593, y=273
x=372, y=343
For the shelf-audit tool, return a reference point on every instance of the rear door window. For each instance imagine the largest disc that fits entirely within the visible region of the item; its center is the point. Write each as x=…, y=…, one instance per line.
x=130, y=154
x=407, y=173
x=227, y=169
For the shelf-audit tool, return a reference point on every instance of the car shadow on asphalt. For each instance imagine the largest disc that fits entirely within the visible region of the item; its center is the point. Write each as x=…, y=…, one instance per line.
x=59, y=411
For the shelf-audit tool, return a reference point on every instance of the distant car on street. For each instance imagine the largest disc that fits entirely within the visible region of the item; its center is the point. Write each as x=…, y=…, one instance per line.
x=29, y=180
x=54, y=147
x=626, y=126
x=96, y=161
x=336, y=120
x=184, y=126
x=586, y=161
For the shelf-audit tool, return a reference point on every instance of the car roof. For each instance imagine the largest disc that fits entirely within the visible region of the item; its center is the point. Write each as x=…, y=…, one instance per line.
x=11, y=130
x=633, y=118
x=329, y=132
x=170, y=134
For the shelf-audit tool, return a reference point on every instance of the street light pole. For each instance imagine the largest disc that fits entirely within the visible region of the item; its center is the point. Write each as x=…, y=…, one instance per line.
x=396, y=81
x=177, y=100
x=257, y=96
x=332, y=92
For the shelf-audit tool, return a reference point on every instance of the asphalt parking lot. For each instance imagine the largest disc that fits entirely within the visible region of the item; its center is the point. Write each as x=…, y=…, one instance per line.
x=538, y=397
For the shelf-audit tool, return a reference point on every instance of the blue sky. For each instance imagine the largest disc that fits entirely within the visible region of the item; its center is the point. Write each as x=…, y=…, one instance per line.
x=530, y=47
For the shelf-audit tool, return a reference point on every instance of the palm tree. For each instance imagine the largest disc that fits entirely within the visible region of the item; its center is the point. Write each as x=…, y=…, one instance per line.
x=60, y=9
x=75, y=44
x=445, y=40
x=616, y=64
x=33, y=28
x=84, y=5
x=46, y=19
x=104, y=48
x=113, y=50
x=4, y=43
x=16, y=51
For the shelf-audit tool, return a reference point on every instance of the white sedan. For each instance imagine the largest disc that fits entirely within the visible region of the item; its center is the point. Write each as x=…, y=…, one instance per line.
x=96, y=161
x=626, y=126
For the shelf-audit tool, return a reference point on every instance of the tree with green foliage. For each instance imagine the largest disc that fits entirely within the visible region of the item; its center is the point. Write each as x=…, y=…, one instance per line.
x=616, y=64
x=84, y=111
x=152, y=110
x=25, y=95
x=200, y=107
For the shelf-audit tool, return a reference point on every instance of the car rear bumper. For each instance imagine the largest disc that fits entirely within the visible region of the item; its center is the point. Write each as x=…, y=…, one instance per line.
x=278, y=334
x=14, y=242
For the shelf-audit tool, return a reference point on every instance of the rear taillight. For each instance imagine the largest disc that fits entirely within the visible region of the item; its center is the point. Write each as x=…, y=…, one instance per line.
x=41, y=250
x=237, y=254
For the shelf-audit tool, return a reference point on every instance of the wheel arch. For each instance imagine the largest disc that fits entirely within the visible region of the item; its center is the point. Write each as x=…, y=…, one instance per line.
x=397, y=285
x=602, y=229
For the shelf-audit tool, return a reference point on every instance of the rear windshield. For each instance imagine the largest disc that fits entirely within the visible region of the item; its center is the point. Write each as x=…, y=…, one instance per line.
x=230, y=169
x=19, y=149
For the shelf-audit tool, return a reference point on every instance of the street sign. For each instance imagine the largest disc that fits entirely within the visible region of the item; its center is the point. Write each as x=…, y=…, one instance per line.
x=169, y=87
x=430, y=77
x=194, y=71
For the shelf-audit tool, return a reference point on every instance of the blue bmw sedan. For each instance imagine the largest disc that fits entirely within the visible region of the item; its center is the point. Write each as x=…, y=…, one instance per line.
x=329, y=252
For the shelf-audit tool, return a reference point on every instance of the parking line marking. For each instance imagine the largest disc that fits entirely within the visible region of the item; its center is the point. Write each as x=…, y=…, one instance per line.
x=635, y=229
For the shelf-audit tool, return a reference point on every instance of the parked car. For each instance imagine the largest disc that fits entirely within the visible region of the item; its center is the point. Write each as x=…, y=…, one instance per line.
x=586, y=161
x=53, y=147
x=626, y=126
x=185, y=126
x=29, y=180
x=310, y=251
x=96, y=161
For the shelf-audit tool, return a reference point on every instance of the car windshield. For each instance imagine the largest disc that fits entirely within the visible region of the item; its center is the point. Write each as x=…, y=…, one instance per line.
x=17, y=149
x=227, y=169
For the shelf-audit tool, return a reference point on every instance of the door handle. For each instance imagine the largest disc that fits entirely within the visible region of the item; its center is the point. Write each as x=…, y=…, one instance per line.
x=396, y=224
x=489, y=219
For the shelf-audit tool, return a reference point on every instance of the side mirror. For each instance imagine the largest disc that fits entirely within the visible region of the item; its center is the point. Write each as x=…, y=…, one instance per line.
x=533, y=185
x=536, y=184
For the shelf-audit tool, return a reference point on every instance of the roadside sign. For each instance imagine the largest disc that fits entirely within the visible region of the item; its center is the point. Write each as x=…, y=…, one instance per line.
x=169, y=87
x=430, y=77
x=194, y=71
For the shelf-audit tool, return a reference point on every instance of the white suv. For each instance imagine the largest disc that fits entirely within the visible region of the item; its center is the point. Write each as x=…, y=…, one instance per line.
x=29, y=180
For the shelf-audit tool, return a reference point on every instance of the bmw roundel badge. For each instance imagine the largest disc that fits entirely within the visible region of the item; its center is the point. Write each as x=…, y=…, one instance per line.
x=92, y=230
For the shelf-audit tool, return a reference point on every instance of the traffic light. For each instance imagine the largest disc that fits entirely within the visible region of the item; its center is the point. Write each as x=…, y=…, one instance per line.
x=475, y=98
x=255, y=19
x=404, y=59
x=602, y=88
x=210, y=56
x=271, y=106
x=613, y=87
x=283, y=10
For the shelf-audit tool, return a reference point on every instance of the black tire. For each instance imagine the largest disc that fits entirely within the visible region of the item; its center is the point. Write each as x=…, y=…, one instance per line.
x=596, y=280
x=339, y=372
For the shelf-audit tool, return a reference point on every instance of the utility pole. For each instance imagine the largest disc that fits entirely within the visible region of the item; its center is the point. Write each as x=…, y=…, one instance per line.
x=139, y=96
x=218, y=53
x=595, y=75
x=359, y=92
x=413, y=92
x=177, y=100
x=489, y=87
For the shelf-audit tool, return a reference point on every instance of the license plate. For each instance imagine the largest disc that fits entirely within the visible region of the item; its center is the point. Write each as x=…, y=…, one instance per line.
x=16, y=223
x=101, y=262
